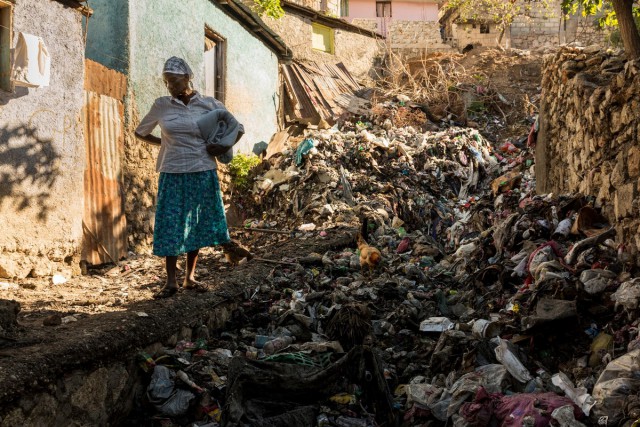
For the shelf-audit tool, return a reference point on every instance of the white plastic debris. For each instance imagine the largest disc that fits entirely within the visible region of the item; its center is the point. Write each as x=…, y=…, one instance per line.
x=69, y=319
x=4, y=286
x=579, y=395
x=436, y=324
x=628, y=294
x=307, y=227
x=142, y=314
x=596, y=281
x=511, y=362
x=565, y=418
x=58, y=279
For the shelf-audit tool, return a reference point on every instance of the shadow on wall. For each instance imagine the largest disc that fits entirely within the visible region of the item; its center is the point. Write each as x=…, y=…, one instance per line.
x=29, y=168
x=19, y=92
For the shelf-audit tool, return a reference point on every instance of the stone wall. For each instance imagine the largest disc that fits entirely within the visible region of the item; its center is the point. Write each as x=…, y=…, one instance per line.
x=537, y=25
x=42, y=151
x=104, y=392
x=465, y=34
x=357, y=52
x=589, y=139
x=410, y=38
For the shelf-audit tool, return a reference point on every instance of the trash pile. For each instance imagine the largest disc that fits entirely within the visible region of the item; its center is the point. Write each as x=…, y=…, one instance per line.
x=335, y=176
x=492, y=306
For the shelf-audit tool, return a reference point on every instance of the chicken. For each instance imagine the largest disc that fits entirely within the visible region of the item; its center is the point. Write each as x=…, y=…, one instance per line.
x=234, y=252
x=369, y=256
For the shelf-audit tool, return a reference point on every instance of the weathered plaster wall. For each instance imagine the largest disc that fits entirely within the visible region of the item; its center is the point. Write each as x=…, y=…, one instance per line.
x=362, y=9
x=356, y=51
x=414, y=11
x=589, y=139
x=251, y=68
x=107, y=34
x=42, y=150
x=400, y=10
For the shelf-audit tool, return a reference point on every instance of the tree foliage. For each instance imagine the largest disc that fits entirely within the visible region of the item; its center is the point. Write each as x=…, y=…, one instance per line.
x=271, y=8
x=615, y=13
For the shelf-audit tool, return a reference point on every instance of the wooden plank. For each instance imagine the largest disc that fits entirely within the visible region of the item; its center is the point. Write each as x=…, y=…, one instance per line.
x=278, y=143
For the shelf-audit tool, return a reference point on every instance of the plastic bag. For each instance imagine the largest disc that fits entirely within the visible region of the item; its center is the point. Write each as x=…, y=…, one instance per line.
x=619, y=380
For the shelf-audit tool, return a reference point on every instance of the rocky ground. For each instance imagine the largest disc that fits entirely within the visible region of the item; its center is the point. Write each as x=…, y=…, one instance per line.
x=492, y=305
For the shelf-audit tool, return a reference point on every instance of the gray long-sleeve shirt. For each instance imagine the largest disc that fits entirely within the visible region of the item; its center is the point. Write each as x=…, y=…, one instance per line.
x=182, y=149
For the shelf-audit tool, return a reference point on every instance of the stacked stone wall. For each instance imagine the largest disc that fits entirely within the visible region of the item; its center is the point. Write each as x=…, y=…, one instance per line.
x=410, y=38
x=589, y=139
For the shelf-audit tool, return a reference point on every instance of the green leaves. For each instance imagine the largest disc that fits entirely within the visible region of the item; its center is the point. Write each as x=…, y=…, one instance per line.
x=271, y=8
x=239, y=169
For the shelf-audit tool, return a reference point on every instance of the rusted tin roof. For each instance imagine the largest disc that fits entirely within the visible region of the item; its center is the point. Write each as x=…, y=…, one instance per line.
x=329, y=21
x=312, y=89
x=254, y=24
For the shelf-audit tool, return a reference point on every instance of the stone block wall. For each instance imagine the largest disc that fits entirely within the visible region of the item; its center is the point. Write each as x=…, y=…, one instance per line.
x=538, y=25
x=589, y=139
x=467, y=33
x=408, y=37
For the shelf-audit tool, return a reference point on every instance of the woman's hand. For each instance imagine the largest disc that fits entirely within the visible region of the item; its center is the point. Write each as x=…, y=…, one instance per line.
x=151, y=139
x=216, y=149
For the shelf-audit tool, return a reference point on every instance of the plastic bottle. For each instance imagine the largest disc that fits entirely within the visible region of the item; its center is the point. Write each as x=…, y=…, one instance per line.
x=277, y=344
x=323, y=421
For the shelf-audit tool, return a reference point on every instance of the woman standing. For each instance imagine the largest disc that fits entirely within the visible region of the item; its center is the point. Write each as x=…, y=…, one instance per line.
x=190, y=212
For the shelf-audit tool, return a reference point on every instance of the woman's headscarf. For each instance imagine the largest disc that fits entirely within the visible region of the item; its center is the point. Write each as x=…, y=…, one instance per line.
x=177, y=65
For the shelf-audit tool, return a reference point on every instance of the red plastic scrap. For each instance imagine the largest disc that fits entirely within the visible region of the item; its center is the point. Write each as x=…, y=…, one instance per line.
x=510, y=411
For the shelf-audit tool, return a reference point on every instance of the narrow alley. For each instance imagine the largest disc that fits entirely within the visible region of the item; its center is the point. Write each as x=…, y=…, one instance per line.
x=429, y=226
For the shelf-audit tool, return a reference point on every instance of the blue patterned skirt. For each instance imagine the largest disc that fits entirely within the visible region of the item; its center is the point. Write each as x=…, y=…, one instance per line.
x=189, y=213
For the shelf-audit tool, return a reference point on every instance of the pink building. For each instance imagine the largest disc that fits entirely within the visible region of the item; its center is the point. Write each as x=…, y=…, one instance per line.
x=409, y=25
x=407, y=10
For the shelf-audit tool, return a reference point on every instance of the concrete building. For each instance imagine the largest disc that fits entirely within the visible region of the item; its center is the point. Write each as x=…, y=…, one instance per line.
x=410, y=26
x=41, y=141
x=535, y=24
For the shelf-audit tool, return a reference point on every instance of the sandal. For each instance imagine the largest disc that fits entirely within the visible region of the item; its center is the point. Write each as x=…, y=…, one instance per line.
x=198, y=287
x=165, y=292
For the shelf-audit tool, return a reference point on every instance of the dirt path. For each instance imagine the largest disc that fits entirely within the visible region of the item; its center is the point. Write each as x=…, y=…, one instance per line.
x=37, y=354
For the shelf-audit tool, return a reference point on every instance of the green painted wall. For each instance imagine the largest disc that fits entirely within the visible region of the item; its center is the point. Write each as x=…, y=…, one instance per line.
x=160, y=29
x=107, y=31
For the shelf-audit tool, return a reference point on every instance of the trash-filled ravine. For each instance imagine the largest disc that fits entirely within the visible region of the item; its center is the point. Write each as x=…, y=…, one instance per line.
x=467, y=299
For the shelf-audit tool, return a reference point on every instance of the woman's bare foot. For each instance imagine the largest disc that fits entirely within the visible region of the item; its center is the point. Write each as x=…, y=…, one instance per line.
x=193, y=284
x=169, y=289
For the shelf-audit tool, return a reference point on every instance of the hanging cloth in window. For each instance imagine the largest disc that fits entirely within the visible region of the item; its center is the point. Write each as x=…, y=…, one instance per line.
x=32, y=63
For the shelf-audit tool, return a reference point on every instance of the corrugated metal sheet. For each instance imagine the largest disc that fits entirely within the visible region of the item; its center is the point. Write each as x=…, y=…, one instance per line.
x=312, y=88
x=104, y=222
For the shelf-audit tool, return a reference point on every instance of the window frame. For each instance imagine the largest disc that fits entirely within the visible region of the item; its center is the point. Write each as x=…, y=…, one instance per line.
x=381, y=13
x=344, y=8
x=331, y=33
x=220, y=62
x=485, y=28
x=6, y=43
